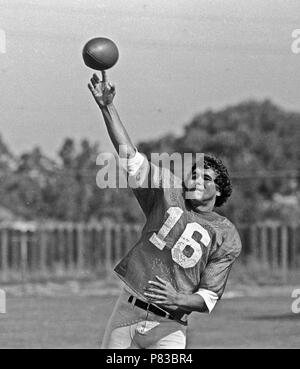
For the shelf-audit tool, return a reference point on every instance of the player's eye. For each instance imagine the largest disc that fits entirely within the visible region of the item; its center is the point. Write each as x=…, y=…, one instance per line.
x=207, y=178
x=194, y=174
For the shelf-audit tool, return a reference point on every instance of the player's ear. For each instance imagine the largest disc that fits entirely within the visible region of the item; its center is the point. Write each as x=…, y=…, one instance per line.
x=218, y=193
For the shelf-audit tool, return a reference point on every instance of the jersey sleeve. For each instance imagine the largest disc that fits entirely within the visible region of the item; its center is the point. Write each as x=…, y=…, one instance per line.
x=210, y=298
x=216, y=272
x=146, y=180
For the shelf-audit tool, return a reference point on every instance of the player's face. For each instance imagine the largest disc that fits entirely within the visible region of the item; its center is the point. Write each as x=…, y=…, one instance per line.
x=201, y=186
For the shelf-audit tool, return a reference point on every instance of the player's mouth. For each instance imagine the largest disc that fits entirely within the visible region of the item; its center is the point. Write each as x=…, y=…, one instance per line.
x=194, y=193
x=196, y=188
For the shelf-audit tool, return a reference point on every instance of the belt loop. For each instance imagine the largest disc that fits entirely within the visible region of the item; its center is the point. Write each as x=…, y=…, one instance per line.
x=132, y=300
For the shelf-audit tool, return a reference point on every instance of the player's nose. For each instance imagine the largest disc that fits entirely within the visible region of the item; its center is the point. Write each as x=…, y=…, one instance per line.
x=199, y=182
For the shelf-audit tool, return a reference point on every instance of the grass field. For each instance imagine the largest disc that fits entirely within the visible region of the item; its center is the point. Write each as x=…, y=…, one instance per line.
x=79, y=322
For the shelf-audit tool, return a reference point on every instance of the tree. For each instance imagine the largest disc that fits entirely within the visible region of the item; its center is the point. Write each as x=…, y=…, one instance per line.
x=259, y=144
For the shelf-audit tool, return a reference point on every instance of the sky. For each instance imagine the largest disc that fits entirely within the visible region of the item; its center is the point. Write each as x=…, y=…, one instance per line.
x=177, y=58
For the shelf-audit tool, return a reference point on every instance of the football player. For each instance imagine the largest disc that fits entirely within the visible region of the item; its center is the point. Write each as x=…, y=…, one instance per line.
x=185, y=252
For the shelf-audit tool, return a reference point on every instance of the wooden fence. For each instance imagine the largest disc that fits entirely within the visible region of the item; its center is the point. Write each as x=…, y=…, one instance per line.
x=31, y=251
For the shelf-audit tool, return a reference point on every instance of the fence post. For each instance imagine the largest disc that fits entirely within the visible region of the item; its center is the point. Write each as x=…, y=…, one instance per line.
x=117, y=243
x=89, y=257
x=70, y=246
x=293, y=248
x=61, y=263
x=24, y=254
x=43, y=251
x=274, y=244
x=4, y=254
x=34, y=255
x=264, y=244
x=80, y=247
x=108, y=245
x=253, y=241
x=54, y=247
x=284, y=252
x=14, y=246
x=98, y=250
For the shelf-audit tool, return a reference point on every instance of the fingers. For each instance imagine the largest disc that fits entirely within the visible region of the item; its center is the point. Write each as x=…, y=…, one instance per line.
x=95, y=80
x=112, y=87
x=157, y=284
x=155, y=290
x=157, y=302
x=104, y=76
x=161, y=280
x=92, y=89
x=162, y=301
x=98, y=87
x=154, y=296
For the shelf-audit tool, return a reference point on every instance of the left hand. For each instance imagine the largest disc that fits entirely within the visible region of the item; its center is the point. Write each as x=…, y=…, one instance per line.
x=161, y=292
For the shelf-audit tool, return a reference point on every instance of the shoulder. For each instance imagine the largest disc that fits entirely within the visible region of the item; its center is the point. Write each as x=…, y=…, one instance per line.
x=231, y=239
x=230, y=227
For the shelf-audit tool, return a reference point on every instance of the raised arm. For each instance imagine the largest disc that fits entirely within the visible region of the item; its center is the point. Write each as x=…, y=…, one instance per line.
x=138, y=167
x=104, y=93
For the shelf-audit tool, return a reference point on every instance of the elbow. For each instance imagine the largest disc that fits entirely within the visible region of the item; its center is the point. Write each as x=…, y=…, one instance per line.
x=202, y=309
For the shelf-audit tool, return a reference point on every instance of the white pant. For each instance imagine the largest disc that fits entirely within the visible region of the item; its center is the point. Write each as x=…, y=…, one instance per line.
x=134, y=328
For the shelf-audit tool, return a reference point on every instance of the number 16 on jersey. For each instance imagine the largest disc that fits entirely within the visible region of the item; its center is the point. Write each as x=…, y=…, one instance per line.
x=186, y=239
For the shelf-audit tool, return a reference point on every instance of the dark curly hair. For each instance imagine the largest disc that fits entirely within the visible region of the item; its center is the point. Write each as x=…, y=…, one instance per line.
x=222, y=178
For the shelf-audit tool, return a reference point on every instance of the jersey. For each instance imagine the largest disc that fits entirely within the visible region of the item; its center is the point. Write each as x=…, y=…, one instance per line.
x=191, y=250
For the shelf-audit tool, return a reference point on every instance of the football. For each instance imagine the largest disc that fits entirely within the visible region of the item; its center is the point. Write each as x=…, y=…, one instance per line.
x=100, y=53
